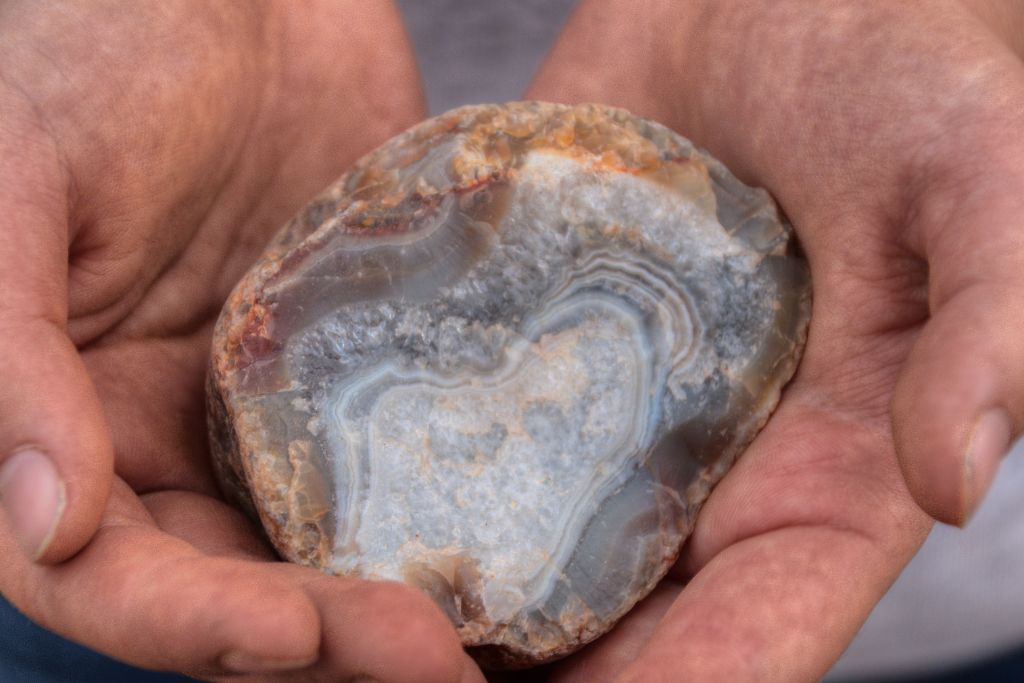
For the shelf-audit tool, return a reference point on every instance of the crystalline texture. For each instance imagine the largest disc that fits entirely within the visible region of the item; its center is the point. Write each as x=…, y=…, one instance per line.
x=504, y=358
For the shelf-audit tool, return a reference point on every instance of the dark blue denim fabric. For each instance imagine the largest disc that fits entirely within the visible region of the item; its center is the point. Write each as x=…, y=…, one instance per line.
x=29, y=654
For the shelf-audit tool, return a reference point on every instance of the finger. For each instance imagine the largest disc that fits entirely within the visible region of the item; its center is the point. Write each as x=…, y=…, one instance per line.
x=379, y=630
x=959, y=402
x=211, y=526
x=603, y=659
x=153, y=600
x=791, y=552
x=55, y=456
x=384, y=631
x=144, y=597
x=151, y=392
x=777, y=607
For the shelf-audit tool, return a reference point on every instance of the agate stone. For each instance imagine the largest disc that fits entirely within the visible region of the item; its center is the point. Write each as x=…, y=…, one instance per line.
x=505, y=358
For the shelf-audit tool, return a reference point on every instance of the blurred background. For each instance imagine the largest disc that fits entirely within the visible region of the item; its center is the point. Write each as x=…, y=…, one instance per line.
x=956, y=613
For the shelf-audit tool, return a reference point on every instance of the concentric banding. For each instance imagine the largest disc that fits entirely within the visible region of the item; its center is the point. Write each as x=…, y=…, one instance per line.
x=504, y=358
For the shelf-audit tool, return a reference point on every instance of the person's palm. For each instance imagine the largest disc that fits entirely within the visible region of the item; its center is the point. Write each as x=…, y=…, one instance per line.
x=138, y=186
x=890, y=133
x=147, y=152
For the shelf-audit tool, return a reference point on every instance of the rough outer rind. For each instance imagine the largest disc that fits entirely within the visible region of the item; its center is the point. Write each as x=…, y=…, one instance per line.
x=264, y=406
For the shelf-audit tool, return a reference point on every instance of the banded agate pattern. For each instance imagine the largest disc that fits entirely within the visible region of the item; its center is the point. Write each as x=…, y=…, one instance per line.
x=504, y=358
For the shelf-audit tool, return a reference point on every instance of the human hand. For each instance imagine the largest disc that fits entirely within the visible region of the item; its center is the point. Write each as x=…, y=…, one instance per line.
x=890, y=133
x=147, y=152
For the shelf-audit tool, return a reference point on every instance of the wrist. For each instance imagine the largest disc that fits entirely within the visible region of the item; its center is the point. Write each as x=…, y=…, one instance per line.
x=623, y=53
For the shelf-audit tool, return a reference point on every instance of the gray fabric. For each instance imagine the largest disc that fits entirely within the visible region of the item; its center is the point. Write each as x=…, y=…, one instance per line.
x=960, y=598
x=478, y=51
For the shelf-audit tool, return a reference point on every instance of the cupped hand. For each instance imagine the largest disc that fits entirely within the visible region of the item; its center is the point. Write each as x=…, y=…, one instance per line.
x=147, y=152
x=891, y=135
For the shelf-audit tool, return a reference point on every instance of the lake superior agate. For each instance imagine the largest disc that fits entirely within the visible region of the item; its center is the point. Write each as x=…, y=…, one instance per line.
x=504, y=358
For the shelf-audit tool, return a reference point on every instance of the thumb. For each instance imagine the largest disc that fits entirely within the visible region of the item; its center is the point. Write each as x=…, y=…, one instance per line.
x=959, y=402
x=56, y=461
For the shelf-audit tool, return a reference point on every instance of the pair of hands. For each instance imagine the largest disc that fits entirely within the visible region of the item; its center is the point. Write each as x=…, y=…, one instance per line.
x=148, y=152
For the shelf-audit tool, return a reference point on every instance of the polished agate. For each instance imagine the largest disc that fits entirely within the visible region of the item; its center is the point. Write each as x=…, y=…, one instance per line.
x=505, y=358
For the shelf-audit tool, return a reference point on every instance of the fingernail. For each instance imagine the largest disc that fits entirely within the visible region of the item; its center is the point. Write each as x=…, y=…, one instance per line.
x=989, y=442
x=246, y=663
x=33, y=497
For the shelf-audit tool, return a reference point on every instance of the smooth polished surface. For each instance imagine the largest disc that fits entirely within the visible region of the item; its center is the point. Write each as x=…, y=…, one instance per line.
x=504, y=359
